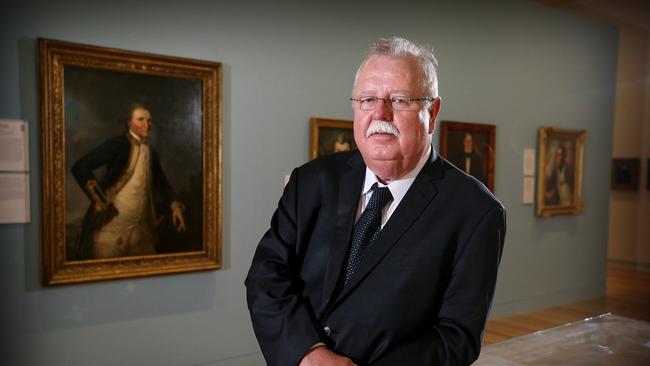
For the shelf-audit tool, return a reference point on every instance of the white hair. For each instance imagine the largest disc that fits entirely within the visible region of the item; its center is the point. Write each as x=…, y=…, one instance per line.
x=402, y=47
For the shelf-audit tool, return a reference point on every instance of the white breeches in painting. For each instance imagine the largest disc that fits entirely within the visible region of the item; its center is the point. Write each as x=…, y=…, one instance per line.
x=131, y=231
x=563, y=189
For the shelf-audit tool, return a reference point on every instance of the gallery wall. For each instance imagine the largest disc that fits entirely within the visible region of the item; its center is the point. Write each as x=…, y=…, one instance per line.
x=629, y=232
x=515, y=64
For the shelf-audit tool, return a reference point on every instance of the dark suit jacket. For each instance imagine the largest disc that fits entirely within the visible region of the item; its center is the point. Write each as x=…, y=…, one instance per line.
x=420, y=297
x=114, y=155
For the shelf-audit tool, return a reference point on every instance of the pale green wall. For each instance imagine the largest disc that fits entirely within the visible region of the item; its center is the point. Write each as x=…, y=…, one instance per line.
x=515, y=64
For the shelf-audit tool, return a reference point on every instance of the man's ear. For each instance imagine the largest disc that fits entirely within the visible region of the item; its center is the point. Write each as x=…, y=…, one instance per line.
x=434, y=109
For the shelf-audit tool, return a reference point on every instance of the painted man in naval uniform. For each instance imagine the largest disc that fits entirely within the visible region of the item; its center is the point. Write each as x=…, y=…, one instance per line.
x=133, y=197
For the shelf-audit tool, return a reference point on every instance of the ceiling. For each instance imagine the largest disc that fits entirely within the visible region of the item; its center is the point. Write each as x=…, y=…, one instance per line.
x=635, y=13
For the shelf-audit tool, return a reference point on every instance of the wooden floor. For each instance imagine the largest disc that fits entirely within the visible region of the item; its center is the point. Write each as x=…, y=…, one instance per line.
x=628, y=294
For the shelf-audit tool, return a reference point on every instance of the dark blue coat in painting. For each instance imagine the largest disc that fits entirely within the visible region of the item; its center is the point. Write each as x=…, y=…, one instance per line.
x=114, y=155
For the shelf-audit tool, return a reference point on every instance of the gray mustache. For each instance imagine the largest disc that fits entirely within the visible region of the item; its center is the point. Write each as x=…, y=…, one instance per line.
x=377, y=126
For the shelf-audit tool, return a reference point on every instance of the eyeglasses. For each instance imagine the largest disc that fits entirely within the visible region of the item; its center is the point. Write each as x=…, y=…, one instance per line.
x=397, y=103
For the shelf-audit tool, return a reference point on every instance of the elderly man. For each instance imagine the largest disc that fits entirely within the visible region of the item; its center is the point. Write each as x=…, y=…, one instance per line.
x=129, y=203
x=383, y=256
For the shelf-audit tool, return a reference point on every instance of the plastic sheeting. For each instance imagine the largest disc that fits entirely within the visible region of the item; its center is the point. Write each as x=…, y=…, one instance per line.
x=602, y=340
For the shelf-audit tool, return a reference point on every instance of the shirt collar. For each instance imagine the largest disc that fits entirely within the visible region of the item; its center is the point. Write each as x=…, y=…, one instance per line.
x=398, y=187
x=137, y=139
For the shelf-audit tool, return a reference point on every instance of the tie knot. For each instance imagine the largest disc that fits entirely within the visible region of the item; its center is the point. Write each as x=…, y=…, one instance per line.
x=380, y=197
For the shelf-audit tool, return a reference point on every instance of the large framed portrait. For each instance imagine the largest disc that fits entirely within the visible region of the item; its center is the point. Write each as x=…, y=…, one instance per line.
x=471, y=148
x=329, y=136
x=559, y=171
x=131, y=163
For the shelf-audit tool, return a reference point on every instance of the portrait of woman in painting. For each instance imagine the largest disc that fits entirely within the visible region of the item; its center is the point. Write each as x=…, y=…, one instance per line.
x=559, y=172
x=329, y=136
x=333, y=141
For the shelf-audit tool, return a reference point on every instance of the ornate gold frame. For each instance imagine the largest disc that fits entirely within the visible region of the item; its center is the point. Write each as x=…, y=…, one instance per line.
x=53, y=56
x=315, y=124
x=577, y=205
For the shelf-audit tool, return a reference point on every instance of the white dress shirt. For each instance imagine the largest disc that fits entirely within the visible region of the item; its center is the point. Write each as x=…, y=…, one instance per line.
x=398, y=189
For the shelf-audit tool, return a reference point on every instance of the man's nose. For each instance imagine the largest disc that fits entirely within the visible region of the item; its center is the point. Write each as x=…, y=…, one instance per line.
x=383, y=111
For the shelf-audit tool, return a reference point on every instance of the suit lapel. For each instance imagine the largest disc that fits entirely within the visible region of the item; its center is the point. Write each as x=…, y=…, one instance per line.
x=349, y=189
x=414, y=202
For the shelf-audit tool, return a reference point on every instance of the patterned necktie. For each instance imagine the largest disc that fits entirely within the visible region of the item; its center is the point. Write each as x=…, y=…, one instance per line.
x=366, y=230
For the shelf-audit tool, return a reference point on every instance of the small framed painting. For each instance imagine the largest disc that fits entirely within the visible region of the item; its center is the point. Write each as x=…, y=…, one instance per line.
x=471, y=148
x=330, y=136
x=559, y=171
x=625, y=174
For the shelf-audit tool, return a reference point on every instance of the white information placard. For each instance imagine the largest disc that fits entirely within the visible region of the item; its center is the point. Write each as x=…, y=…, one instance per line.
x=14, y=172
x=14, y=198
x=529, y=189
x=14, y=146
x=529, y=162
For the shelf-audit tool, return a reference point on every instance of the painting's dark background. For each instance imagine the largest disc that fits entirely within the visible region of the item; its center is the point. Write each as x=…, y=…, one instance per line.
x=327, y=136
x=480, y=142
x=97, y=107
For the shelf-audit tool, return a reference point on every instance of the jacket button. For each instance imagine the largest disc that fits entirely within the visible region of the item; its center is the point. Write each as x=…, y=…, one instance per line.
x=327, y=330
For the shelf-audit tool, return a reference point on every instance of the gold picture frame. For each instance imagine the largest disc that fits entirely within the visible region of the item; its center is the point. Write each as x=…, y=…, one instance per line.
x=82, y=89
x=559, y=171
x=330, y=135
